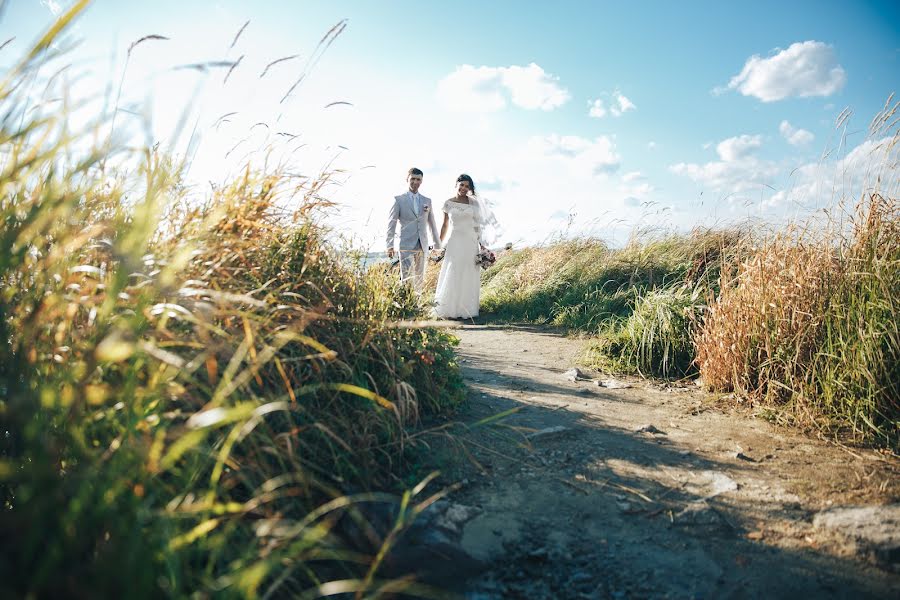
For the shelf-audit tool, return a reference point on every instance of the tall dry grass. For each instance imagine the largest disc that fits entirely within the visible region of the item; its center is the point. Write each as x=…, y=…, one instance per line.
x=194, y=398
x=809, y=323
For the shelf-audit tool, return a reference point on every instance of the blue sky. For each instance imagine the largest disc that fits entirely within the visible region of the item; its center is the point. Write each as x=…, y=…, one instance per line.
x=600, y=117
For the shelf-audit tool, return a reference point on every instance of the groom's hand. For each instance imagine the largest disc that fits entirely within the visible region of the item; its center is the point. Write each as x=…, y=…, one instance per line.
x=390, y=253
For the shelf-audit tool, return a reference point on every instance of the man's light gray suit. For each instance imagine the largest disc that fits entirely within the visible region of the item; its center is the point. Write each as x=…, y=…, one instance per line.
x=413, y=239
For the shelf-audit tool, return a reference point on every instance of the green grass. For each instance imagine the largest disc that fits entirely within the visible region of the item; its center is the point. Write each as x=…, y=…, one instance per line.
x=641, y=302
x=193, y=397
x=584, y=284
x=655, y=340
x=855, y=374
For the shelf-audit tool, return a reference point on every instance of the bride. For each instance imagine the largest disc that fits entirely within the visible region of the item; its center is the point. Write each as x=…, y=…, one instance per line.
x=459, y=283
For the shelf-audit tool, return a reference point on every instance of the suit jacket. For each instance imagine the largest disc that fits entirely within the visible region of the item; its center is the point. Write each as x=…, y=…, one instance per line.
x=413, y=228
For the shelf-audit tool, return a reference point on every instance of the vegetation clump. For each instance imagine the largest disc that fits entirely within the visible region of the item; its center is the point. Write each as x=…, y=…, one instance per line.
x=194, y=396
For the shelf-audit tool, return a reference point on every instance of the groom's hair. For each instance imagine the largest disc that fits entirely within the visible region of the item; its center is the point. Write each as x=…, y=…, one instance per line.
x=415, y=171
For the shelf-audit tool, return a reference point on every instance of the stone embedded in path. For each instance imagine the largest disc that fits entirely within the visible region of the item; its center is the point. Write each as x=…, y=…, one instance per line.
x=649, y=429
x=719, y=483
x=709, y=484
x=701, y=514
x=434, y=540
x=741, y=456
x=613, y=384
x=547, y=433
x=451, y=516
x=871, y=531
x=575, y=374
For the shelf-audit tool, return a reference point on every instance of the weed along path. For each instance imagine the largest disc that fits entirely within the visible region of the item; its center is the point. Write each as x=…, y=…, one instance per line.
x=643, y=490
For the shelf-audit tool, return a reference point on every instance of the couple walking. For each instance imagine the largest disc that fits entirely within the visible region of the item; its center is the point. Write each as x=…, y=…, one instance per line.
x=468, y=219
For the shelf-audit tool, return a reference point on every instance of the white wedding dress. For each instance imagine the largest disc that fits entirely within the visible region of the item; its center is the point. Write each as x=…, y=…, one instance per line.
x=459, y=283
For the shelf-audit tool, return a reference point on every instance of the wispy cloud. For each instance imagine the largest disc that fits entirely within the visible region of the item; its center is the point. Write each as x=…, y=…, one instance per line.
x=487, y=89
x=618, y=105
x=818, y=183
x=597, y=109
x=622, y=105
x=53, y=6
x=803, y=70
x=582, y=155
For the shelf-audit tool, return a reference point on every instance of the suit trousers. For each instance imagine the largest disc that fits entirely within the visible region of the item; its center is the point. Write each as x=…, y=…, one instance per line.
x=412, y=267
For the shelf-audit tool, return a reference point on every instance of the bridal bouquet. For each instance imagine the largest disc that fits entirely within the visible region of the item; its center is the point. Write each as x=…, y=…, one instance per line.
x=485, y=259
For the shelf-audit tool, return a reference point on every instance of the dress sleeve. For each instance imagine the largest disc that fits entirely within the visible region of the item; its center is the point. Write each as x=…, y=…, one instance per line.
x=446, y=207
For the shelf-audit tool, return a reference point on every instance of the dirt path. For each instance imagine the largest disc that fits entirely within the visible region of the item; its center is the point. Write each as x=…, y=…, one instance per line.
x=567, y=498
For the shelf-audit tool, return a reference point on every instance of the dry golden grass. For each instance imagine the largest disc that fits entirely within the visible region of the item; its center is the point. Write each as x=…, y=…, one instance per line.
x=776, y=295
x=808, y=322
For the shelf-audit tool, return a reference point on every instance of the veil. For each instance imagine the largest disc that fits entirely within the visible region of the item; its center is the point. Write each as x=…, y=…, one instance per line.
x=486, y=225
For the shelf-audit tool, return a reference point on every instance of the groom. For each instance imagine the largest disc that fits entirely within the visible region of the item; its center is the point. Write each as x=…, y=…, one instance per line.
x=416, y=217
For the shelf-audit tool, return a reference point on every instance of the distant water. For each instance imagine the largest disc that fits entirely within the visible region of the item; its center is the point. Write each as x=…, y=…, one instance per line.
x=374, y=257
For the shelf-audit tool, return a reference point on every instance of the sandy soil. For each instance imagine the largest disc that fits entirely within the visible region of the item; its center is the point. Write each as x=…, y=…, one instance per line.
x=573, y=500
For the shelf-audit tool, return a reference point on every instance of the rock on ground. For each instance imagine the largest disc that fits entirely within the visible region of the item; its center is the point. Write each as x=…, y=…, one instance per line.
x=870, y=531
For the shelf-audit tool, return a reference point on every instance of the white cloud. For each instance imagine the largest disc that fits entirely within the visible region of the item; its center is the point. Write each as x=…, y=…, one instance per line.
x=729, y=176
x=532, y=88
x=485, y=89
x=794, y=136
x=583, y=156
x=618, y=105
x=735, y=148
x=736, y=171
x=622, y=105
x=632, y=176
x=805, y=69
x=53, y=6
x=598, y=111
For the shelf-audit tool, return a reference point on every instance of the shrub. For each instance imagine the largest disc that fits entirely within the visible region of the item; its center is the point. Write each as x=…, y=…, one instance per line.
x=654, y=340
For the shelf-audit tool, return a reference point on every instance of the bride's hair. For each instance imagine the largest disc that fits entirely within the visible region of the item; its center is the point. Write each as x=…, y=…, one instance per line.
x=465, y=177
